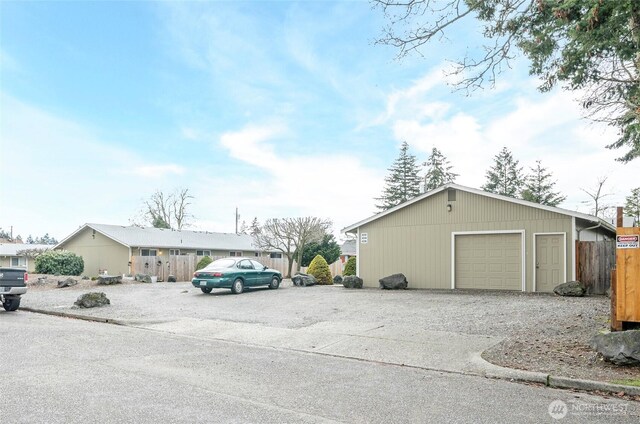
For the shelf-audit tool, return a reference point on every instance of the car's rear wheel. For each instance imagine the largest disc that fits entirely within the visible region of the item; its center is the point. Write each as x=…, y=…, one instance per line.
x=237, y=287
x=206, y=289
x=275, y=283
x=11, y=304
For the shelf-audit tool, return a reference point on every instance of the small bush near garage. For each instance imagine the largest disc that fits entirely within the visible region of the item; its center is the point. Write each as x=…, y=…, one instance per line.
x=350, y=267
x=59, y=262
x=319, y=268
x=203, y=262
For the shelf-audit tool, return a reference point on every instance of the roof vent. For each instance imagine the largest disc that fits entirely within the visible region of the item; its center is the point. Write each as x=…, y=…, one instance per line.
x=451, y=193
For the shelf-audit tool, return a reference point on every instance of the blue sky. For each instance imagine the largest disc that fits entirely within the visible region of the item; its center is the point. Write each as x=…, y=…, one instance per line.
x=279, y=108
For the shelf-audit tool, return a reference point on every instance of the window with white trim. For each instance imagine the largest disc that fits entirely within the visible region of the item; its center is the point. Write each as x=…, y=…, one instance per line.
x=148, y=252
x=174, y=252
x=364, y=238
x=275, y=255
x=18, y=261
x=203, y=252
x=235, y=254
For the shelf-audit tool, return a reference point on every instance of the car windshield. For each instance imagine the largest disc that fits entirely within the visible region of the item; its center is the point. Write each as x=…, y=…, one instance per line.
x=221, y=263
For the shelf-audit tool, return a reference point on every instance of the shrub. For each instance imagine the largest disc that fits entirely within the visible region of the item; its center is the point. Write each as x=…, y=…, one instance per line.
x=59, y=262
x=350, y=267
x=203, y=262
x=319, y=268
x=327, y=248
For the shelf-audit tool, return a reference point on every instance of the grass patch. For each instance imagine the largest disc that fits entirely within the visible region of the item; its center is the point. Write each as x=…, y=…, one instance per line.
x=635, y=383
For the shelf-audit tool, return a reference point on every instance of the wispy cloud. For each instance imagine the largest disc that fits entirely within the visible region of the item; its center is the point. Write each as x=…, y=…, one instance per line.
x=157, y=171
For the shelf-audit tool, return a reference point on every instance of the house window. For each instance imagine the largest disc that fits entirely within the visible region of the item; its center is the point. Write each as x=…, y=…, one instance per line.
x=364, y=238
x=203, y=252
x=257, y=254
x=174, y=252
x=148, y=252
x=235, y=254
x=18, y=261
x=274, y=255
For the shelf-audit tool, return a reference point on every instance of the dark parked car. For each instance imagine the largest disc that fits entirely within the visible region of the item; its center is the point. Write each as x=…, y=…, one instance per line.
x=12, y=286
x=235, y=274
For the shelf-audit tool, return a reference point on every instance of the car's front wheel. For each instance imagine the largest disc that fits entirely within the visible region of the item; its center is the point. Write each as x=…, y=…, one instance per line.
x=206, y=289
x=275, y=283
x=11, y=304
x=237, y=287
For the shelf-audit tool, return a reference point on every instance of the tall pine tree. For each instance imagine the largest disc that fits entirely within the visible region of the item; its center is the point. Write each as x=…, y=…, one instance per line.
x=438, y=171
x=504, y=177
x=538, y=187
x=632, y=206
x=403, y=181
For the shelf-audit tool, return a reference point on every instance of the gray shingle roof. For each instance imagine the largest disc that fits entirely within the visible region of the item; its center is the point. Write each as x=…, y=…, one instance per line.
x=12, y=249
x=348, y=248
x=133, y=236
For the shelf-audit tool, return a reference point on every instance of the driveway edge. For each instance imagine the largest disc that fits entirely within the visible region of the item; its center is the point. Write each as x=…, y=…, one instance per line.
x=490, y=370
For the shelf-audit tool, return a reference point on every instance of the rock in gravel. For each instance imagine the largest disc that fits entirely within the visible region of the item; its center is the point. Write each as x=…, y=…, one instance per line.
x=352, y=282
x=394, y=282
x=92, y=300
x=571, y=288
x=337, y=279
x=619, y=347
x=171, y=279
x=143, y=278
x=67, y=283
x=303, y=280
x=107, y=280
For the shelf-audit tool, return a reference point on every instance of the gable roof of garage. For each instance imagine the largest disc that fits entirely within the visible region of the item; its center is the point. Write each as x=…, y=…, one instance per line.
x=133, y=236
x=586, y=217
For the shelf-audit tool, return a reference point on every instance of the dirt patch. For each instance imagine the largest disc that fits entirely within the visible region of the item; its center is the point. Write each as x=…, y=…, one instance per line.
x=559, y=345
x=40, y=282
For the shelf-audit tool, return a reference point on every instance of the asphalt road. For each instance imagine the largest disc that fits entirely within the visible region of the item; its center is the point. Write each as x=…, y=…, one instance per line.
x=60, y=370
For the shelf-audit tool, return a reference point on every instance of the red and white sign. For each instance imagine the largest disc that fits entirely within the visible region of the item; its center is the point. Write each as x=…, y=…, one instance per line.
x=628, y=242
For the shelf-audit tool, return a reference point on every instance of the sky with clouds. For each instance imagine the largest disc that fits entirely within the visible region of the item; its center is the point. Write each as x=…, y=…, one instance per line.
x=277, y=108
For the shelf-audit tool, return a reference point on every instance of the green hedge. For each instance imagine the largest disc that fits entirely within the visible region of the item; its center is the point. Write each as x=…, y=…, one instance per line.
x=203, y=262
x=350, y=267
x=59, y=262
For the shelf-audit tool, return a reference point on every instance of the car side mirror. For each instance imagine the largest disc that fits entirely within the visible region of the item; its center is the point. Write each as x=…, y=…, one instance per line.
x=265, y=267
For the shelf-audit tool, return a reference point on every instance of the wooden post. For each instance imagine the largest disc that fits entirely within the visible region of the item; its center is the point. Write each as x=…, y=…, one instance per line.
x=615, y=324
x=619, y=215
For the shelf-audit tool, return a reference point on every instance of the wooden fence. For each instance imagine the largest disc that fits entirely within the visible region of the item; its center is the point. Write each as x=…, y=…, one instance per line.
x=184, y=266
x=594, y=262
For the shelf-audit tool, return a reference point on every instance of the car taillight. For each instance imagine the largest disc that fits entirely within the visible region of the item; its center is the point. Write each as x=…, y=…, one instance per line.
x=195, y=274
x=218, y=274
x=26, y=276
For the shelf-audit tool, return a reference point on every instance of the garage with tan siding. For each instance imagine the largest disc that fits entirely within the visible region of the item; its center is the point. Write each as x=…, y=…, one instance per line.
x=458, y=237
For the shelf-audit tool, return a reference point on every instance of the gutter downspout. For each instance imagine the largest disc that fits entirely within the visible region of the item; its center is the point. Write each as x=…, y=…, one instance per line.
x=589, y=228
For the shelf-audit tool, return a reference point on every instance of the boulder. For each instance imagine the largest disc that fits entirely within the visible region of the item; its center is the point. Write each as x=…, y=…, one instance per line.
x=303, y=280
x=91, y=300
x=171, y=279
x=84, y=277
x=352, y=282
x=143, y=278
x=571, y=288
x=107, y=280
x=394, y=282
x=337, y=279
x=67, y=283
x=619, y=347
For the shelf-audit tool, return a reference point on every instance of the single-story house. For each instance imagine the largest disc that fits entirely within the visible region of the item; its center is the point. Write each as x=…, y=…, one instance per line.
x=17, y=254
x=112, y=248
x=347, y=250
x=461, y=237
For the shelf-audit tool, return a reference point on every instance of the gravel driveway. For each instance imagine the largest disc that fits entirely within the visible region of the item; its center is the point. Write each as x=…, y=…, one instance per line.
x=540, y=332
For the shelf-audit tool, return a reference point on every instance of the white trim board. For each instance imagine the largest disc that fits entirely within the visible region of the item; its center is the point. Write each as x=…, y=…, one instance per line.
x=564, y=254
x=470, y=233
x=358, y=253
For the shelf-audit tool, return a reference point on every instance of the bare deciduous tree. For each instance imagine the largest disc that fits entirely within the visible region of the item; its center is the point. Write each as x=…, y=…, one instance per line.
x=290, y=235
x=596, y=196
x=163, y=210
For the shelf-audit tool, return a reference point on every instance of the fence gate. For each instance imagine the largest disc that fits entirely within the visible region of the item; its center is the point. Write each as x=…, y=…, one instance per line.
x=594, y=262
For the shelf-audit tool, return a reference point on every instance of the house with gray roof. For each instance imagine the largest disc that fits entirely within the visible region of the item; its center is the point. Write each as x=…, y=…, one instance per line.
x=112, y=248
x=21, y=254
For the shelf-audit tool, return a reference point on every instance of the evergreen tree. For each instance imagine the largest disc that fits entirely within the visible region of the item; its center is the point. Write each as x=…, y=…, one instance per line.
x=403, y=181
x=327, y=248
x=538, y=187
x=504, y=177
x=254, y=228
x=438, y=171
x=30, y=240
x=632, y=206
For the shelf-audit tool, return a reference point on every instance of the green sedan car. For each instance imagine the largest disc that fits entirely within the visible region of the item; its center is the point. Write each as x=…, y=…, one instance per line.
x=235, y=274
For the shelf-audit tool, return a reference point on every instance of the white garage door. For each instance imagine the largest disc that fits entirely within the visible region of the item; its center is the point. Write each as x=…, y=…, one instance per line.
x=488, y=261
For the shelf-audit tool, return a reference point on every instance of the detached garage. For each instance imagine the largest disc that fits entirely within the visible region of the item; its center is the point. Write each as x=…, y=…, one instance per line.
x=464, y=238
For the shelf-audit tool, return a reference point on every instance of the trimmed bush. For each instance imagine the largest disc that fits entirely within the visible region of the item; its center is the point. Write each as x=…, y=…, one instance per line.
x=59, y=262
x=319, y=268
x=203, y=262
x=350, y=267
